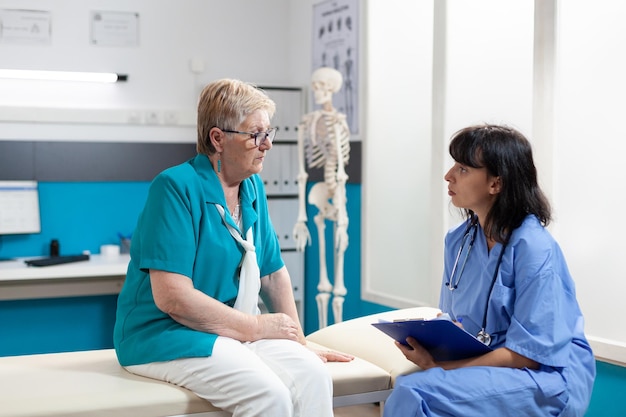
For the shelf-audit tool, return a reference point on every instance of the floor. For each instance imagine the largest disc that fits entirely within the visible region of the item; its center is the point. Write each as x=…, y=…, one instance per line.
x=366, y=410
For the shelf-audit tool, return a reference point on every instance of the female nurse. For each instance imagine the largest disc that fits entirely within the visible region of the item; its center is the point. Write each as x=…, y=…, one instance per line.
x=507, y=281
x=203, y=250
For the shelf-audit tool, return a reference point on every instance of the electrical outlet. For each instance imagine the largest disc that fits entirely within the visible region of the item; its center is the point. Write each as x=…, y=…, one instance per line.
x=170, y=117
x=134, y=117
x=152, y=117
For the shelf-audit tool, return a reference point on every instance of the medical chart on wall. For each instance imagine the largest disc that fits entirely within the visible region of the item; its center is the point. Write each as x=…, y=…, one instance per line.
x=336, y=45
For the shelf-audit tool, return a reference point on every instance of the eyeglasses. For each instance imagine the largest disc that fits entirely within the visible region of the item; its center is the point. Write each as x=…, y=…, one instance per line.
x=259, y=137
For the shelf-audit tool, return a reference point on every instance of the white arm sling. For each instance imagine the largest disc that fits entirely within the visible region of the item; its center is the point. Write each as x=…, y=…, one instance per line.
x=249, y=275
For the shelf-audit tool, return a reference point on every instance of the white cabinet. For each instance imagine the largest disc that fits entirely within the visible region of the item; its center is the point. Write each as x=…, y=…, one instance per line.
x=280, y=172
x=284, y=213
x=289, y=110
x=280, y=169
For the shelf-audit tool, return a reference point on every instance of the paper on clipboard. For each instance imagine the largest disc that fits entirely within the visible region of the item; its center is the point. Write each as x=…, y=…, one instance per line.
x=442, y=338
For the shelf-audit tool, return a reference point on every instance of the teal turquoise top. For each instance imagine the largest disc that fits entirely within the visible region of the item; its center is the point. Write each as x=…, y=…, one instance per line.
x=180, y=230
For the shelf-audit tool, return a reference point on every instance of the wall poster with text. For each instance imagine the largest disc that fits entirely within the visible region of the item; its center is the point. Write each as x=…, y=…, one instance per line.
x=336, y=45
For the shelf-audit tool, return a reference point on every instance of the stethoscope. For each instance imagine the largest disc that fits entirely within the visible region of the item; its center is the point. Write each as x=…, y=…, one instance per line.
x=470, y=234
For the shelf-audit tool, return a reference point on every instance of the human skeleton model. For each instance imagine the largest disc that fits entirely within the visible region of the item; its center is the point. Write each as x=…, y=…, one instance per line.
x=324, y=136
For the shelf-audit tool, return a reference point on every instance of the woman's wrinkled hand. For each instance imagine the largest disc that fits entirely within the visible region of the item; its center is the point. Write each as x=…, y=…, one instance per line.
x=331, y=356
x=277, y=326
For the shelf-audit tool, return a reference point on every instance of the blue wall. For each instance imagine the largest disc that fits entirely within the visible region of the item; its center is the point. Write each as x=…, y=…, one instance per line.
x=81, y=215
x=56, y=325
x=84, y=216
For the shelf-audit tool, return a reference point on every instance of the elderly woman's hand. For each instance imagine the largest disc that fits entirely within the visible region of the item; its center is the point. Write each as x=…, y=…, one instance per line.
x=331, y=356
x=277, y=326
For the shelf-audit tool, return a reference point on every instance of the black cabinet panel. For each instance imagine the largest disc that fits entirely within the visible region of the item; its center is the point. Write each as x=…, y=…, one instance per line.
x=17, y=160
x=89, y=161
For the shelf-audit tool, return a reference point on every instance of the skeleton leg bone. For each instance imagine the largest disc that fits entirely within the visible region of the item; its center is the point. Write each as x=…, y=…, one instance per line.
x=338, y=308
x=324, y=284
x=322, y=308
x=318, y=196
x=339, y=289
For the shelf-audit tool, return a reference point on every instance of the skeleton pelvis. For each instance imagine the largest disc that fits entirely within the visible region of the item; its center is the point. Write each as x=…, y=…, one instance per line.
x=320, y=196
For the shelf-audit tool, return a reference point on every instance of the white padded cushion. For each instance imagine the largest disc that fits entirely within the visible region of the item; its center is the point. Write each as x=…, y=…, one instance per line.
x=88, y=383
x=358, y=337
x=355, y=377
x=92, y=383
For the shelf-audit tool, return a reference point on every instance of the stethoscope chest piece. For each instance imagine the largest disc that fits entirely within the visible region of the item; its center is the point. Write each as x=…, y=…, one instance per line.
x=484, y=337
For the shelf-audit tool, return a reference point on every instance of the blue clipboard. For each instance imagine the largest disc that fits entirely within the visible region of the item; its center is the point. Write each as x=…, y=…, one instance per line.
x=442, y=338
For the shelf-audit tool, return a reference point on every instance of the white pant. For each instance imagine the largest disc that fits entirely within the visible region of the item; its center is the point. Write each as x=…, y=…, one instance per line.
x=273, y=378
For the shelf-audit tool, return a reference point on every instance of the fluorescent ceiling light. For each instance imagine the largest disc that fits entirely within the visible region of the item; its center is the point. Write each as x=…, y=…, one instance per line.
x=97, y=77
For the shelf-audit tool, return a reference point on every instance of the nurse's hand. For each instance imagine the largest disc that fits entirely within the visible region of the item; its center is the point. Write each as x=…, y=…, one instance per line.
x=417, y=354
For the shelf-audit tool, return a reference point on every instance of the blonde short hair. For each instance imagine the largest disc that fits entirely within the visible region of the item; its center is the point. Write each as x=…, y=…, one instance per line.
x=225, y=104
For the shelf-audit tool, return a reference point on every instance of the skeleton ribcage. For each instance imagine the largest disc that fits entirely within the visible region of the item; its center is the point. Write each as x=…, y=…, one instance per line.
x=321, y=148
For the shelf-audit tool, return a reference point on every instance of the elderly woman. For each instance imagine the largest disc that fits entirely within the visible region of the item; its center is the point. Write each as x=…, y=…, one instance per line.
x=203, y=249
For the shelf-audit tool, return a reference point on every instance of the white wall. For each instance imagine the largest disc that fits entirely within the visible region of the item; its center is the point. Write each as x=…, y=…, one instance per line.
x=239, y=38
x=452, y=64
x=503, y=62
x=589, y=158
x=397, y=154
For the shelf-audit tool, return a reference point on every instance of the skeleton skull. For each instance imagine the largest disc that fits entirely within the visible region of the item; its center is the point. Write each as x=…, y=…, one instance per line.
x=325, y=82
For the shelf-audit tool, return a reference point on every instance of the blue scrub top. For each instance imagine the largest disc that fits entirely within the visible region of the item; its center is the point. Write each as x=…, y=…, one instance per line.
x=180, y=230
x=532, y=309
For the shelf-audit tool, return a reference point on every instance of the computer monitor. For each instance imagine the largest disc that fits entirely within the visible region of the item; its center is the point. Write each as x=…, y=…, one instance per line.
x=19, y=207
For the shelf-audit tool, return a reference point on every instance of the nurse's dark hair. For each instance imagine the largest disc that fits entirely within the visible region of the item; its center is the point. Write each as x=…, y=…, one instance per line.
x=505, y=153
